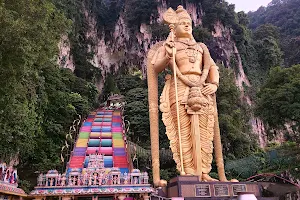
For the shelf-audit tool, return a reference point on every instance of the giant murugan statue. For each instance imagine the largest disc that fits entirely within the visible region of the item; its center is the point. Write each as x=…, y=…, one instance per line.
x=187, y=103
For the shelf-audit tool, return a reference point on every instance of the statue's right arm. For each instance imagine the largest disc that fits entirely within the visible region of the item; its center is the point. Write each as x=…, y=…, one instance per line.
x=161, y=61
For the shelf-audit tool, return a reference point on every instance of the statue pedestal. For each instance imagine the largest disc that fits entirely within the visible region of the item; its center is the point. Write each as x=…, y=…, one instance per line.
x=191, y=188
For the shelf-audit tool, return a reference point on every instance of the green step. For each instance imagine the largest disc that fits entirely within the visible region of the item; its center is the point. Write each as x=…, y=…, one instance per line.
x=117, y=136
x=84, y=135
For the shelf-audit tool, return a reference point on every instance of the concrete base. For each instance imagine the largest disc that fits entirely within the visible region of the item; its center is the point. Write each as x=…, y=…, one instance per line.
x=191, y=188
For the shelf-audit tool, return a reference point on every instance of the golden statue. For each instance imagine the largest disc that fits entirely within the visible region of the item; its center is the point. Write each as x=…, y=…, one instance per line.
x=187, y=103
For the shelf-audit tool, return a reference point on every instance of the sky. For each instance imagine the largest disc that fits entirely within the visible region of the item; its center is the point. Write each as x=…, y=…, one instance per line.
x=248, y=5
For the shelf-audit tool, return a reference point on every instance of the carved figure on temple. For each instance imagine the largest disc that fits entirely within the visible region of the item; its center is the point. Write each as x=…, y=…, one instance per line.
x=92, y=164
x=13, y=177
x=115, y=179
x=85, y=178
x=7, y=174
x=1, y=172
x=188, y=100
x=100, y=178
x=106, y=179
x=90, y=179
x=70, y=181
x=101, y=164
x=74, y=180
x=63, y=180
x=146, y=178
x=51, y=182
x=59, y=180
x=79, y=180
x=40, y=180
x=125, y=177
x=99, y=156
x=95, y=179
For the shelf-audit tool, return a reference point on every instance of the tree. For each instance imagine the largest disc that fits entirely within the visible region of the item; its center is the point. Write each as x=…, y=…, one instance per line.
x=236, y=135
x=140, y=11
x=136, y=110
x=267, y=47
x=29, y=34
x=278, y=103
x=291, y=50
x=201, y=34
x=284, y=14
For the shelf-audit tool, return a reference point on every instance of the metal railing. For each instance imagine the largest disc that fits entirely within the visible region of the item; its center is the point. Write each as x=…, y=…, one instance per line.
x=140, y=151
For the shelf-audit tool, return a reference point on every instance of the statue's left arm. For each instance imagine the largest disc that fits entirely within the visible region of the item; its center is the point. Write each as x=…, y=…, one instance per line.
x=212, y=81
x=213, y=75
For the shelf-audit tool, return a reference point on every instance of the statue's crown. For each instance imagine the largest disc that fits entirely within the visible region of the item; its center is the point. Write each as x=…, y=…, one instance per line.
x=182, y=13
x=173, y=17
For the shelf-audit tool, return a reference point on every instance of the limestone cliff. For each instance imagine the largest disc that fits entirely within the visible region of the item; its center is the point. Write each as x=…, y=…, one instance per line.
x=127, y=48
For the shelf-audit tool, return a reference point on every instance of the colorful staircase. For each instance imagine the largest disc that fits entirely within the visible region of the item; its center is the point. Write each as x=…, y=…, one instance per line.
x=97, y=164
x=102, y=132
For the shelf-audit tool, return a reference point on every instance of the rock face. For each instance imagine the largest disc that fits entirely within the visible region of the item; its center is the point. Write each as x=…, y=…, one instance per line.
x=65, y=59
x=224, y=49
x=127, y=49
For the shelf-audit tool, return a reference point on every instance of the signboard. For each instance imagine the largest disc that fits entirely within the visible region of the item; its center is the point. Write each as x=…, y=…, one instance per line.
x=202, y=190
x=236, y=188
x=221, y=190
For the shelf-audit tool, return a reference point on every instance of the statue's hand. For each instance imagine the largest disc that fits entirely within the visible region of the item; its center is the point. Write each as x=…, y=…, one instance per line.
x=209, y=88
x=169, y=45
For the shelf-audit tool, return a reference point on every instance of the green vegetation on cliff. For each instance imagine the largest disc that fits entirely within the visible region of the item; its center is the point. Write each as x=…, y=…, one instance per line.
x=38, y=101
x=278, y=104
x=234, y=117
x=283, y=14
x=276, y=37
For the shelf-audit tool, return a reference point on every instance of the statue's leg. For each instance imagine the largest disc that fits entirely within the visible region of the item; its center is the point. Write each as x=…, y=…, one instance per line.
x=185, y=128
x=206, y=122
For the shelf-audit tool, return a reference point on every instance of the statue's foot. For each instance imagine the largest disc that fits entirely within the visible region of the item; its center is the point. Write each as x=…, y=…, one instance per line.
x=207, y=178
x=161, y=183
x=224, y=179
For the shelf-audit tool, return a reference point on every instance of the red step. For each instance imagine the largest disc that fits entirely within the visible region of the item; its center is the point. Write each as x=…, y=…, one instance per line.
x=120, y=158
x=121, y=165
x=79, y=162
x=75, y=166
x=78, y=157
x=76, y=161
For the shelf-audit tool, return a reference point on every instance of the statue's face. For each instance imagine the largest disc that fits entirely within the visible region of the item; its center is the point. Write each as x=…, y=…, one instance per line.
x=184, y=28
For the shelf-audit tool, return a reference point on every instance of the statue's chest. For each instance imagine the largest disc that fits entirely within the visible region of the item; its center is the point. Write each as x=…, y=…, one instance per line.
x=190, y=53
